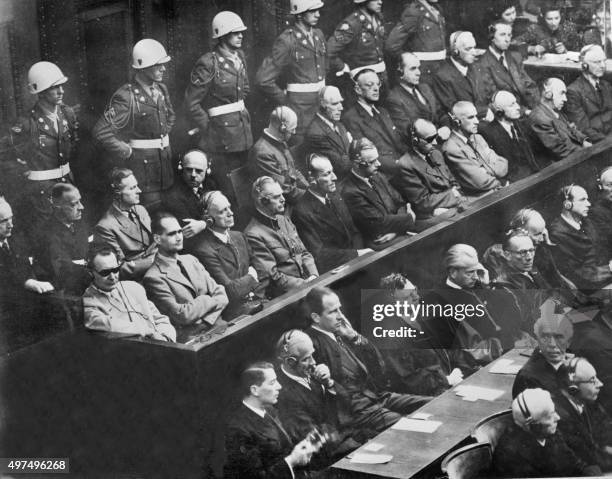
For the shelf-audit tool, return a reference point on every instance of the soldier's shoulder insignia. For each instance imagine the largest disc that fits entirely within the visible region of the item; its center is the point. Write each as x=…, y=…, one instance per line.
x=362, y=17
x=345, y=27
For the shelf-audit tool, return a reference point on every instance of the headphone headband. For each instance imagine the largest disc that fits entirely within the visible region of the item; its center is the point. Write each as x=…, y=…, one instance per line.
x=522, y=404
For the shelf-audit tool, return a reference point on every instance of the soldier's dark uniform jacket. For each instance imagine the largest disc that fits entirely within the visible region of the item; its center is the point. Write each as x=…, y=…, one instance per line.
x=134, y=115
x=302, y=65
x=356, y=42
x=216, y=82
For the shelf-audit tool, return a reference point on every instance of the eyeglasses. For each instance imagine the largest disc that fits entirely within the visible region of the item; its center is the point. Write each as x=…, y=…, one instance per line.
x=430, y=139
x=594, y=380
x=523, y=253
x=108, y=271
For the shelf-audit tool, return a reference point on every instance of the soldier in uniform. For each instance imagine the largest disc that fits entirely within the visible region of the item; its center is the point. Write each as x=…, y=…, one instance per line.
x=358, y=43
x=215, y=99
x=46, y=141
x=298, y=56
x=422, y=31
x=135, y=126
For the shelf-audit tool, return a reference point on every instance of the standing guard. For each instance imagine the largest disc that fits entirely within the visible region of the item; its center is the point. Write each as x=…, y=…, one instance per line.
x=358, y=42
x=45, y=142
x=135, y=126
x=215, y=100
x=299, y=57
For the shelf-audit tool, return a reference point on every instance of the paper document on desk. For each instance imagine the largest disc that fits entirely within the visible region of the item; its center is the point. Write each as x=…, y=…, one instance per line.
x=369, y=458
x=416, y=425
x=505, y=366
x=473, y=393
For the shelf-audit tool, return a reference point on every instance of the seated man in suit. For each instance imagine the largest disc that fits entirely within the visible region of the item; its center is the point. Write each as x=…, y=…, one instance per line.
x=503, y=70
x=354, y=363
x=583, y=422
x=576, y=252
x=126, y=226
x=589, y=97
x=326, y=135
x=546, y=366
x=532, y=447
x=556, y=138
x=376, y=207
x=476, y=166
x=66, y=242
x=227, y=256
x=424, y=180
x=279, y=256
x=323, y=220
x=120, y=306
x=256, y=443
x=412, y=99
x=600, y=213
x=458, y=79
x=367, y=120
x=270, y=155
x=506, y=137
x=178, y=284
x=183, y=198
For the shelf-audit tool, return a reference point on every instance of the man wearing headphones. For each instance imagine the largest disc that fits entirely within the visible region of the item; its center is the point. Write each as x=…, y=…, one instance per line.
x=227, y=256
x=476, y=166
x=134, y=129
x=532, y=447
x=558, y=137
x=597, y=34
x=184, y=198
x=299, y=56
x=280, y=257
x=600, y=213
x=589, y=97
x=270, y=155
x=502, y=69
x=126, y=226
x=505, y=135
x=458, y=79
x=577, y=253
x=323, y=220
x=120, y=306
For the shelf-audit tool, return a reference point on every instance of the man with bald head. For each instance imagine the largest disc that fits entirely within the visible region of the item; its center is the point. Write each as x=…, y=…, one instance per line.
x=458, y=79
x=476, y=166
x=326, y=135
x=323, y=220
x=413, y=99
x=183, y=199
x=270, y=155
x=589, y=97
x=424, y=180
x=506, y=136
x=366, y=119
x=556, y=138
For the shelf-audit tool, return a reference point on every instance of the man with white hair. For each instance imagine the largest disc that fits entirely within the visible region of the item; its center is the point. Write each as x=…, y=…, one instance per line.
x=476, y=166
x=531, y=447
x=558, y=138
x=505, y=135
x=270, y=155
x=589, y=97
x=326, y=135
x=458, y=80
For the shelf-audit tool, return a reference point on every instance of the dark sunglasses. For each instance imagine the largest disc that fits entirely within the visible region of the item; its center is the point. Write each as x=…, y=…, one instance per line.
x=108, y=271
x=430, y=139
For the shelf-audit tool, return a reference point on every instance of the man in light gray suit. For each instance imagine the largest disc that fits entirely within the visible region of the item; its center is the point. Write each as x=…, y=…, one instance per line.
x=475, y=165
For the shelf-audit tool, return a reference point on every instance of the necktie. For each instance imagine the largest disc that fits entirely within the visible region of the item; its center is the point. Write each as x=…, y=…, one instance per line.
x=4, y=247
x=310, y=38
x=132, y=216
x=513, y=131
x=71, y=228
x=183, y=270
x=501, y=61
x=417, y=94
x=154, y=93
x=351, y=355
x=278, y=425
x=198, y=191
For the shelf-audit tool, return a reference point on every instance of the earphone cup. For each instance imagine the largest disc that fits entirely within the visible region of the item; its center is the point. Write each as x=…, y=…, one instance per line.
x=548, y=95
x=265, y=200
x=584, y=67
x=573, y=389
x=567, y=205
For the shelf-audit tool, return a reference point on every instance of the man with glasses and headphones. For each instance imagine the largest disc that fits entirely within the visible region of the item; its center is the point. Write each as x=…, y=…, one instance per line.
x=532, y=446
x=271, y=156
x=120, y=306
x=589, y=97
x=280, y=257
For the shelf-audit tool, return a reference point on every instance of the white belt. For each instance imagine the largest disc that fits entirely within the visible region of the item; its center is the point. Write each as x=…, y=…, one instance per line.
x=377, y=67
x=159, y=143
x=305, y=87
x=54, y=174
x=430, y=56
x=224, y=109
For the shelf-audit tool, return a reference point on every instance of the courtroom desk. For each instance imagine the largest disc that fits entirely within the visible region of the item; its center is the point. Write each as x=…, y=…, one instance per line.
x=567, y=70
x=414, y=452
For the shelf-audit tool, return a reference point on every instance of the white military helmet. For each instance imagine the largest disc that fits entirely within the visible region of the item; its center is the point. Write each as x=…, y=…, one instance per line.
x=301, y=6
x=148, y=52
x=227, y=22
x=44, y=75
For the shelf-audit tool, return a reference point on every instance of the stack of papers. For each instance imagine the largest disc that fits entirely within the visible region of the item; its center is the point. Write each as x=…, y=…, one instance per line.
x=505, y=366
x=416, y=425
x=369, y=458
x=473, y=393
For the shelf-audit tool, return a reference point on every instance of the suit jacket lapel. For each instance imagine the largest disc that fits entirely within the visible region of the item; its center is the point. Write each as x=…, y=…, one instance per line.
x=225, y=251
x=173, y=273
x=128, y=227
x=335, y=137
